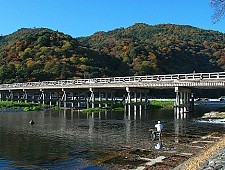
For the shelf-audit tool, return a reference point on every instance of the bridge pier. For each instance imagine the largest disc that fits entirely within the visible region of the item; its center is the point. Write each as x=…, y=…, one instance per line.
x=50, y=98
x=92, y=98
x=135, y=98
x=182, y=103
x=101, y=97
x=6, y=95
x=63, y=98
x=25, y=96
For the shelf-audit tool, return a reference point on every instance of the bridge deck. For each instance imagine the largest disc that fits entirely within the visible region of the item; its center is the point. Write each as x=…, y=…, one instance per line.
x=196, y=80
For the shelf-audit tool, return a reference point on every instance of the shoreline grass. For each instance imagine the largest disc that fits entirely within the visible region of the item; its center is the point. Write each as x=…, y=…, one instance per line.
x=14, y=104
x=24, y=106
x=157, y=104
x=102, y=109
x=154, y=105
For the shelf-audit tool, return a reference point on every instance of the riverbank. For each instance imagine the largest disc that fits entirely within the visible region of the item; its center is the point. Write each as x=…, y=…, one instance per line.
x=202, y=159
x=161, y=104
x=213, y=155
x=204, y=152
x=189, y=156
x=23, y=106
x=27, y=106
x=213, y=115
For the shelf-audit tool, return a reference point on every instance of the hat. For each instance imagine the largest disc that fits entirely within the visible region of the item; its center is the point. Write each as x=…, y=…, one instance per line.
x=159, y=122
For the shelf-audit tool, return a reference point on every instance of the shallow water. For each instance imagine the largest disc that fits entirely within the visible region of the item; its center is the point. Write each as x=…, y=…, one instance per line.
x=74, y=140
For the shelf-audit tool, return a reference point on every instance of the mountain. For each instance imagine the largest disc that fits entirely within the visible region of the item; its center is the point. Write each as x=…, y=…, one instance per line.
x=162, y=49
x=42, y=54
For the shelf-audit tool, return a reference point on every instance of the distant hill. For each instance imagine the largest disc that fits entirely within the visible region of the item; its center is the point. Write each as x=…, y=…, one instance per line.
x=42, y=54
x=164, y=48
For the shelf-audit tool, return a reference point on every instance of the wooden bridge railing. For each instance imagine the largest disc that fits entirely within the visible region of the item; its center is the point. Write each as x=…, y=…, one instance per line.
x=216, y=76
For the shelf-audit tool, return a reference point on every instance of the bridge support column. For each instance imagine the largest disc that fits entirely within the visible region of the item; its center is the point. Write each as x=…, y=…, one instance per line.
x=135, y=100
x=50, y=98
x=87, y=98
x=140, y=106
x=25, y=96
x=138, y=101
x=5, y=96
x=100, y=99
x=40, y=98
x=43, y=97
x=106, y=98
x=146, y=100
x=72, y=103
x=32, y=98
x=11, y=96
x=64, y=98
x=192, y=102
x=16, y=97
x=57, y=99
x=92, y=98
x=128, y=101
x=79, y=100
x=112, y=98
x=182, y=102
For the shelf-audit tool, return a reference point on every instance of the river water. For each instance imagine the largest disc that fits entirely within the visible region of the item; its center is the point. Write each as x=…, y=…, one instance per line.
x=69, y=139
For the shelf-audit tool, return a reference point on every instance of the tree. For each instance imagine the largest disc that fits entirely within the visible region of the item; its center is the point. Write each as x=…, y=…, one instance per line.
x=219, y=9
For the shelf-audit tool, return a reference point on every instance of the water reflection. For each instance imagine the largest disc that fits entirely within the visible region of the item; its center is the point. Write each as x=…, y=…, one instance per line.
x=180, y=126
x=159, y=145
x=91, y=126
x=75, y=139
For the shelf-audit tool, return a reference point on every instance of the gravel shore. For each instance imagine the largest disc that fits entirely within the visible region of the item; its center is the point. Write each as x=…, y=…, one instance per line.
x=215, y=162
x=213, y=157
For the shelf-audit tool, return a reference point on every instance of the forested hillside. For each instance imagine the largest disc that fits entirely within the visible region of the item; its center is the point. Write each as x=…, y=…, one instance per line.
x=164, y=48
x=42, y=54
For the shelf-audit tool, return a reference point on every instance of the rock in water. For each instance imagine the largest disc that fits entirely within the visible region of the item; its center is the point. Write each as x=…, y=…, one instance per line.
x=31, y=122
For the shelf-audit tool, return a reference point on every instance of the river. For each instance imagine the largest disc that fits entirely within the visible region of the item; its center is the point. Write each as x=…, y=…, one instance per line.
x=69, y=139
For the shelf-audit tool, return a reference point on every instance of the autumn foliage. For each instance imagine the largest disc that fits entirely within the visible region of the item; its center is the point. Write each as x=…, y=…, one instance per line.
x=162, y=49
x=39, y=54
x=43, y=54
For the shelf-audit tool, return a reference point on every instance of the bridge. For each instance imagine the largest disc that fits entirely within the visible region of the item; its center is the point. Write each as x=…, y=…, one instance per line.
x=133, y=90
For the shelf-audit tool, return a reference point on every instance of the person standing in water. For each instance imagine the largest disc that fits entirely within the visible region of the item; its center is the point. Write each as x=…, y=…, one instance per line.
x=159, y=128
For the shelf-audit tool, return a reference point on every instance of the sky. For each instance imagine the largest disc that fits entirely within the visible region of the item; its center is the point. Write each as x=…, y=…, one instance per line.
x=85, y=17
